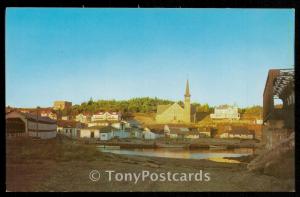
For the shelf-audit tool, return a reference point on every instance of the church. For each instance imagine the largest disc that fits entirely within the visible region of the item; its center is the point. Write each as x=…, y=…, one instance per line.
x=175, y=113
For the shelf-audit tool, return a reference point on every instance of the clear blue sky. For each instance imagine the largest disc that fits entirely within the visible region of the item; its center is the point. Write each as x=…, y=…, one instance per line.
x=76, y=54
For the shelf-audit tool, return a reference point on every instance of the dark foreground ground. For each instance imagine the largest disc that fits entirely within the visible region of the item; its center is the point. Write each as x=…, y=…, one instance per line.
x=63, y=165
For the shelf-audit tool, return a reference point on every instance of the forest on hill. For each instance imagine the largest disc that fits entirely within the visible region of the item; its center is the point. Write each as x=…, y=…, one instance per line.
x=141, y=105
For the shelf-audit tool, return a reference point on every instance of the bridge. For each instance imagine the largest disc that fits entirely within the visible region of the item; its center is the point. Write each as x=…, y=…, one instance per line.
x=279, y=121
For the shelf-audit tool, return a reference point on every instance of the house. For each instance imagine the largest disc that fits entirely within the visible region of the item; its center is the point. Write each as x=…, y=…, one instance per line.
x=192, y=135
x=136, y=133
x=110, y=116
x=134, y=123
x=148, y=135
x=106, y=133
x=66, y=118
x=69, y=128
x=27, y=124
x=153, y=133
x=259, y=121
x=90, y=132
x=83, y=117
x=238, y=132
x=204, y=132
x=120, y=124
x=48, y=113
x=175, y=131
x=225, y=112
x=121, y=133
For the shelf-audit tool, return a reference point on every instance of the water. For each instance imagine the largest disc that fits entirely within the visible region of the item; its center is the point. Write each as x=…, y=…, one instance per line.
x=180, y=153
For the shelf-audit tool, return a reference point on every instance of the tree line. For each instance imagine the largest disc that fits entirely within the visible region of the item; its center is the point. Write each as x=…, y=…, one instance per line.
x=141, y=105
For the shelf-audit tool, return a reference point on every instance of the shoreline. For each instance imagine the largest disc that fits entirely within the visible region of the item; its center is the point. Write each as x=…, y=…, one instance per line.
x=206, y=143
x=56, y=165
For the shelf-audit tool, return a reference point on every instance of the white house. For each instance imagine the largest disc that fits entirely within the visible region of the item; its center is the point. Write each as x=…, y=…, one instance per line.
x=150, y=134
x=90, y=132
x=69, y=128
x=191, y=135
x=84, y=118
x=65, y=118
x=48, y=113
x=225, y=112
x=259, y=121
x=224, y=135
x=204, y=132
x=106, y=133
x=27, y=124
x=238, y=133
x=110, y=116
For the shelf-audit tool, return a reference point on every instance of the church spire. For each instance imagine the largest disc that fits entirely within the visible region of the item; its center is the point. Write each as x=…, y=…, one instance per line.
x=187, y=89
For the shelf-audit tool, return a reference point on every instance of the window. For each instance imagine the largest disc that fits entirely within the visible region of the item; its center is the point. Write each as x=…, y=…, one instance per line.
x=92, y=134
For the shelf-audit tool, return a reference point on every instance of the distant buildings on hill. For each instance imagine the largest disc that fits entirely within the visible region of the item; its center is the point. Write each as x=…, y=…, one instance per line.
x=61, y=105
x=225, y=112
x=110, y=116
x=238, y=132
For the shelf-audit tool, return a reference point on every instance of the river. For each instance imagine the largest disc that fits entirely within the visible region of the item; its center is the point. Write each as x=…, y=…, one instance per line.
x=180, y=153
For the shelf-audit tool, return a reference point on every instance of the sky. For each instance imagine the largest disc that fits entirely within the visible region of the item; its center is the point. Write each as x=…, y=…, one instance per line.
x=75, y=54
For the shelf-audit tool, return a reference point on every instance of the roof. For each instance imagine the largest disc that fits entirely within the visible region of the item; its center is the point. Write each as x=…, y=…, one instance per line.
x=105, y=121
x=83, y=114
x=133, y=122
x=67, y=123
x=157, y=131
x=183, y=129
x=39, y=118
x=180, y=125
x=110, y=112
x=162, y=108
x=106, y=129
x=36, y=117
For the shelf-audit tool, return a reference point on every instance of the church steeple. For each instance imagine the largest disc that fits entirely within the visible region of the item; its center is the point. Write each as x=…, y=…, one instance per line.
x=187, y=89
x=187, y=103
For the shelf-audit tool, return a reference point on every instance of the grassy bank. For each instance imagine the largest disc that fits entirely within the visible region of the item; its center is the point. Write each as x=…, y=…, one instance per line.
x=63, y=165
